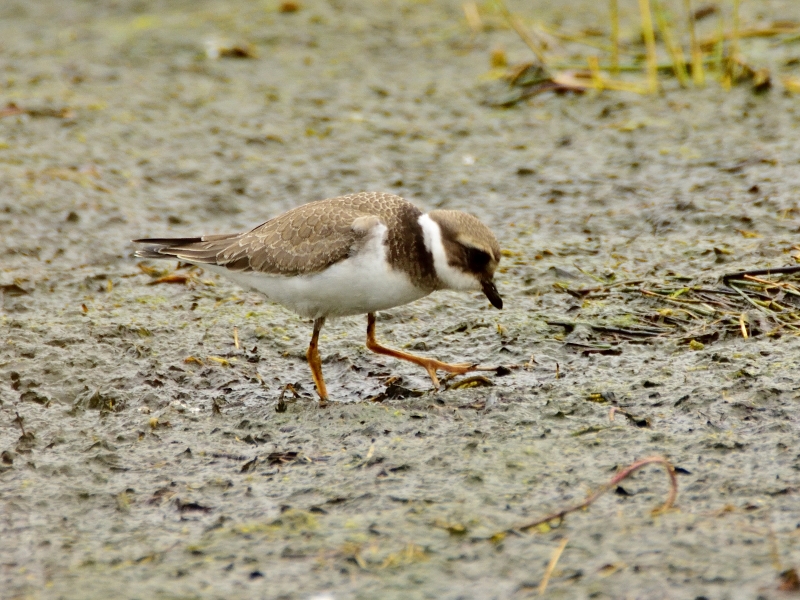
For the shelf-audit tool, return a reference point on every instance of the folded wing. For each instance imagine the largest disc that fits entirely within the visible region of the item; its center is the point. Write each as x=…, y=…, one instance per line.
x=305, y=240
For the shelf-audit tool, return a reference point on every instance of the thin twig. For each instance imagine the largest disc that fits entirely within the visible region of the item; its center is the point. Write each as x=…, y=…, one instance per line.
x=751, y=301
x=573, y=37
x=706, y=312
x=603, y=288
x=640, y=332
x=698, y=76
x=595, y=277
x=594, y=69
x=624, y=473
x=719, y=54
x=650, y=43
x=675, y=51
x=768, y=284
x=751, y=32
x=18, y=420
x=756, y=272
x=517, y=25
x=735, y=32
x=614, y=14
x=552, y=566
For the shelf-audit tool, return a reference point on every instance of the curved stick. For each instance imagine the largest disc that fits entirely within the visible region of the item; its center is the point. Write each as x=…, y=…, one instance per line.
x=624, y=473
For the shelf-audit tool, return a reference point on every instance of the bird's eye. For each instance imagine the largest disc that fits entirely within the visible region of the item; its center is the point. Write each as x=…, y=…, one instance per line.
x=477, y=260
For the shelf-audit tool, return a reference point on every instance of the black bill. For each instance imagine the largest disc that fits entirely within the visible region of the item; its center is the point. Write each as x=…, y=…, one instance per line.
x=491, y=293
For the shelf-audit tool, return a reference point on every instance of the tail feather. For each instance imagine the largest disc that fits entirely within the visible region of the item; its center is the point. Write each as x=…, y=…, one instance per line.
x=199, y=250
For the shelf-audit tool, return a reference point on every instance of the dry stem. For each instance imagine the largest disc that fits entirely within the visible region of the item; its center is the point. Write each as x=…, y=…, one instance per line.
x=698, y=75
x=675, y=51
x=623, y=474
x=517, y=25
x=735, y=32
x=650, y=43
x=614, y=10
x=552, y=566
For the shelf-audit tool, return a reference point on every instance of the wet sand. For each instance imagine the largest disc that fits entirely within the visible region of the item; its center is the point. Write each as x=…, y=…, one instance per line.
x=150, y=460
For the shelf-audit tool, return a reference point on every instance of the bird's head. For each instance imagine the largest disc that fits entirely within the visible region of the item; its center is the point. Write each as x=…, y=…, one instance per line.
x=466, y=253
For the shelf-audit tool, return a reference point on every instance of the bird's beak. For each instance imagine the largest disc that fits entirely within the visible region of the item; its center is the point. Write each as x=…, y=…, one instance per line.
x=491, y=293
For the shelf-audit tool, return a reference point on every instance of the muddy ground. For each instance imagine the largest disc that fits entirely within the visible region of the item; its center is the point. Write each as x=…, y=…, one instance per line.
x=148, y=460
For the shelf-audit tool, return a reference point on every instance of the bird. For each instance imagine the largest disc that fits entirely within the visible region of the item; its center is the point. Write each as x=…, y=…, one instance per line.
x=349, y=255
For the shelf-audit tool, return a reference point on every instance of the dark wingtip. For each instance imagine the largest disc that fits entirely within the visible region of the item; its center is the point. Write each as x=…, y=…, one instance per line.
x=168, y=241
x=491, y=293
x=163, y=248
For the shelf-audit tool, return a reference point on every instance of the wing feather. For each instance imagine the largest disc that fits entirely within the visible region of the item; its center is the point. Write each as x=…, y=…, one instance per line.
x=305, y=240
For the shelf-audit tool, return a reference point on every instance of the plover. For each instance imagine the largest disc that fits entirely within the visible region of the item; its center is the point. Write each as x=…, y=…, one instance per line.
x=350, y=255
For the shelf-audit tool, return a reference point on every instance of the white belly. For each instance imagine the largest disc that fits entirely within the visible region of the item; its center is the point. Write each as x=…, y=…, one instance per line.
x=359, y=284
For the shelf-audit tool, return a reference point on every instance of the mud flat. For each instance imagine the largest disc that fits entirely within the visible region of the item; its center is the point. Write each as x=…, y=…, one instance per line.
x=142, y=455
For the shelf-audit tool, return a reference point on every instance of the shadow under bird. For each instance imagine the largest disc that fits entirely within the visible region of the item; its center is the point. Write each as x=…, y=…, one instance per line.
x=350, y=255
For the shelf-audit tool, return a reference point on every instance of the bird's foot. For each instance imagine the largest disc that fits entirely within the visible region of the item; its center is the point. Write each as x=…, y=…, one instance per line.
x=432, y=365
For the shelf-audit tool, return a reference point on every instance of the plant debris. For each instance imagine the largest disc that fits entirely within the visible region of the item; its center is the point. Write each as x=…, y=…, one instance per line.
x=744, y=304
x=617, y=64
x=790, y=581
x=216, y=49
x=612, y=484
x=13, y=109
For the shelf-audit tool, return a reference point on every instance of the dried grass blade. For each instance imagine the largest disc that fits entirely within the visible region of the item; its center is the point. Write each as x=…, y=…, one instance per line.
x=735, y=31
x=675, y=51
x=614, y=15
x=621, y=475
x=650, y=43
x=552, y=566
x=698, y=75
x=517, y=25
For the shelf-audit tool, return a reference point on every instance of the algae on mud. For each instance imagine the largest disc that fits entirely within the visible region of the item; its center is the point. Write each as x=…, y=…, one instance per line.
x=130, y=483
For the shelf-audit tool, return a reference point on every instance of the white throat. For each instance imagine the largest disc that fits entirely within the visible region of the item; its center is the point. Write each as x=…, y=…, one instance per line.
x=452, y=277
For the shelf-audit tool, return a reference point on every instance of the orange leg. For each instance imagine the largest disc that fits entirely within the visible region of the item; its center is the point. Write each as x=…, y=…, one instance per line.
x=315, y=362
x=431, y=365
